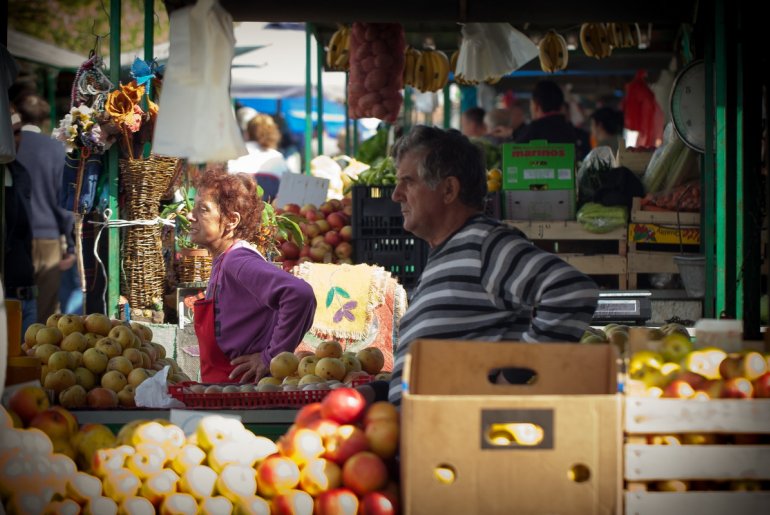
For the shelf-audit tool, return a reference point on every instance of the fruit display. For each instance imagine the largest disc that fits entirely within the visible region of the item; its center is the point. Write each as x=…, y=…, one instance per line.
x=426, y=70
x=554, y=54
x=494, y=180
x=295, y=379
x=376, y=70
x=338, y=52
x=326, y=232
x=337, y=458
x=92, y=361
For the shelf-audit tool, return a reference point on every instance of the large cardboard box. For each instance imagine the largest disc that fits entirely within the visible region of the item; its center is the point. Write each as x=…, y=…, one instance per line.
x=550, y=446
x=549, y=205
x=538, y=165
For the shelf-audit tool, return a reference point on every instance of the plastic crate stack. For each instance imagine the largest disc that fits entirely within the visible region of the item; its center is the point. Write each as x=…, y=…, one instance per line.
x=379, y=237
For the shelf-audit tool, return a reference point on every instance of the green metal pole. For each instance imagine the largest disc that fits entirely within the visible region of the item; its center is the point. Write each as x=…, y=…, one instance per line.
x=113, y=271
x=447, y=107
x=708, y=184
x=320, y=96
x=50, y=78
x=721, y=158
x=739, y=170
x=308, y=98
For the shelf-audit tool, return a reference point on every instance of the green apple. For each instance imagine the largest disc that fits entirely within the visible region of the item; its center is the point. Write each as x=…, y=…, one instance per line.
x=675, y=347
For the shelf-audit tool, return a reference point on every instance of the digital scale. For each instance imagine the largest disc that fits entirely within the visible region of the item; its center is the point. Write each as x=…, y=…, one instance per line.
x=623, y=307
x=688, y=105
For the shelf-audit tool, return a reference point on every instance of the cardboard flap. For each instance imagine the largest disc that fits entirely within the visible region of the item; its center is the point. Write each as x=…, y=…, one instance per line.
x=452, y=367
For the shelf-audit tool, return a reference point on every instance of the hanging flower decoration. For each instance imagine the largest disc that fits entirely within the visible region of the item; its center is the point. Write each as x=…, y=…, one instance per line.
x=133, y=123
x=82, y=128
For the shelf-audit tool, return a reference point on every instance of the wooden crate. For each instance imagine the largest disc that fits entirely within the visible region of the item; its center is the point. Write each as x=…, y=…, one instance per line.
x=638, y=215
x=645, y=464
x=571, y=231
x=652, y=246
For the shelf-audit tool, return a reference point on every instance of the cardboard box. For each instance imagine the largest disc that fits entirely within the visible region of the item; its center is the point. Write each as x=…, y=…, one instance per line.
x=635, y=160
x=538, y=165
x=458, y=424
x=539, y=205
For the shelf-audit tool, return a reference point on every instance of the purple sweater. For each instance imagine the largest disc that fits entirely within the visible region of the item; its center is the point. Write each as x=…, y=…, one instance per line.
x=259, y=307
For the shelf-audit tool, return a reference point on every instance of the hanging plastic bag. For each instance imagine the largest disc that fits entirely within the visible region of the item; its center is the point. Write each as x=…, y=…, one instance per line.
x=492, y=50
x=195, y=118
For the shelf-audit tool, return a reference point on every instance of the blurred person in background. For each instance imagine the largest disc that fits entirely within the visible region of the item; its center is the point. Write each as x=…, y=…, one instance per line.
x=262, y=145
x=499, y=124
x=607, y=129
x=43, y=157
x=472, y=123
x=19, y=270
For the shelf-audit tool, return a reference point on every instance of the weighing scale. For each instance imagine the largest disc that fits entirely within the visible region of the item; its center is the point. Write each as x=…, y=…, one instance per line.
x=623, y=307
x=688, y=105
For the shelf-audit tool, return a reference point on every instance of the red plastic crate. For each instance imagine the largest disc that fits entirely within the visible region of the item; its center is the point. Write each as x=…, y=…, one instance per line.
x=248, y=400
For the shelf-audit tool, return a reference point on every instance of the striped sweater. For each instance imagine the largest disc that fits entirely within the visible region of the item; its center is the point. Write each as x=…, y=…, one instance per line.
x=488, y=282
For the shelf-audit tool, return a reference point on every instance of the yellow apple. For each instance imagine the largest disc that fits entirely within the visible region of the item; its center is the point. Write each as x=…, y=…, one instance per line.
x=269, y=380
x=109, y=346
x=283, y=364
x=215, y=505
x=89, y=439
x=236, y=481
x=62, y=507
x=307, y=365
x=277, y=474
x=120, y=363
x=198, y=481
x=123, y=335
x=100, y=506
x=292, y=502
x=214, y=429
x=134, y=356
x=320, y=475
x=372, y=360
x=121, y=484
x=31, y=332
x=309, y=379
x=69, y=324
x=74, y=341
x=254, y=505
x=97, y=323
x=147, y=461
x=188, y=456
x=351, y=364
x=136, y=506
x=179, y=504
x=85, y=378
x=330, y=368
x=44, y=351
x=114, y=380
x=53, y=320
x=60, y=360
x=159, y=486
x=81, y=486
x=95, y=360
x=59, y=380
x=329, y=349
x=92, y=338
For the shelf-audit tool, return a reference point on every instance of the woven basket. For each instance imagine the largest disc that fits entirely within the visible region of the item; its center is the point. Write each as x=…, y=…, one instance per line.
x=194, y=266
x=143, y=270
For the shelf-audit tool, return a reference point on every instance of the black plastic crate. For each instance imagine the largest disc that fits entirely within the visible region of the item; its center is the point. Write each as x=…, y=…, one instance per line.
x=403, y=256
x=375, y=214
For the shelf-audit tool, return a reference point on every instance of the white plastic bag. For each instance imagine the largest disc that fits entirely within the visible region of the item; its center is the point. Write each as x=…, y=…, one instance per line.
x=492, y=50
x=153, y=392
x=195, y=118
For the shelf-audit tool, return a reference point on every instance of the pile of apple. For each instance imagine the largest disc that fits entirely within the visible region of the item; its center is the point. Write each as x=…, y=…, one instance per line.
x=328, y=368
x=94, y=361
x=676, y=370
x=617, y=334
x=327, y=234
x=41, y=448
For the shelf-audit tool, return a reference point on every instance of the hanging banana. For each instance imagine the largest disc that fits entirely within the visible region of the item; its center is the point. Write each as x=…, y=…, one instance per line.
x=594, y=40
x=554, y=55
x=338, y=53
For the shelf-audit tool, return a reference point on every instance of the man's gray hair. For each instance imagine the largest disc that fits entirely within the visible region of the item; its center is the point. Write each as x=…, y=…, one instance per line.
x=446, y=153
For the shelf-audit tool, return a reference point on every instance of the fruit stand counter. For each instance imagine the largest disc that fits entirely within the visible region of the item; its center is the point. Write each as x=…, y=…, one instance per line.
x=271, y=423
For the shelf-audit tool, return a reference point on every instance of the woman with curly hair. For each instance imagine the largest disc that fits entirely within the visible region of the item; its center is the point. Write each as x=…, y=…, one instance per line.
x=253, y=310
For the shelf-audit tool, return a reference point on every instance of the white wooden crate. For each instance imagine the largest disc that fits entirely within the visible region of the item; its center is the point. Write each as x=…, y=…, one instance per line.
x=719, y=462
x=700, y=503
x=667, y=416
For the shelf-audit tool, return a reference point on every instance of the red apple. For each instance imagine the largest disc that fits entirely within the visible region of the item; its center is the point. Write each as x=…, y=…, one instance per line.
x=738, y=388
x=382, y=436
x=337, y=220
x=53, y=423
x=711, y=389
x=326, y=208
x=301, y=445
x=339, y=501
x=307, y=414
x=27, y=402
x=693, y=379
x=364, y=472
x=346, y=441
x=312, y=215
x=377, y=503
x=332, y=237
x=343, y=405
x=762, y=386
x=317, y=241
x=288, y=264
x=304, y=251
x=276, y=474
x=292, y=502
x=346, y=233
x=336, y=204
x=346, y=201
x=323, y=225
x=343, y=250
x=101, y=397
x=348, y=210
x=307, y=208
x=317, y=254
x=678, y=389
x=324, y=427
x=320, y=475
x=292, y=208
x=290, y=250
x=311, y=230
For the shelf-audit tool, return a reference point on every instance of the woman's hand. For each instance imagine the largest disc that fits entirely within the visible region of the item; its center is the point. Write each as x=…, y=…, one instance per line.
x=249, y=368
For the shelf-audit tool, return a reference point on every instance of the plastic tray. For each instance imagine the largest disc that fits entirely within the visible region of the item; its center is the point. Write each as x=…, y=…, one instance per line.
x=248, y=400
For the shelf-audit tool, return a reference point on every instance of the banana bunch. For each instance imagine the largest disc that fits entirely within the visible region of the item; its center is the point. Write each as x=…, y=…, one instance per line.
x=459, y=79
x=595, y=40
x=554, y=55
x=338, y=53
x=624, y=35
x=426, y=70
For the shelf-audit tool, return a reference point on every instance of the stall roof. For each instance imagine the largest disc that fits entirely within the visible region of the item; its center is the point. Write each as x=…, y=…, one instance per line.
x=28, y=48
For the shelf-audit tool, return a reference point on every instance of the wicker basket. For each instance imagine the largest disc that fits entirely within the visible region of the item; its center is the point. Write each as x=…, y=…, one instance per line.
x=194, y=266
x=143, y=271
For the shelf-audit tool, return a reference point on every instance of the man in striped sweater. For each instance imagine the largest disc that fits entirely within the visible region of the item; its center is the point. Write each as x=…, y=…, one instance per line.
x=483, y=280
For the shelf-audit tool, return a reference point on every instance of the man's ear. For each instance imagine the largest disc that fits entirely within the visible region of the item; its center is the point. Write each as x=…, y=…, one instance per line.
x=451, y=189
